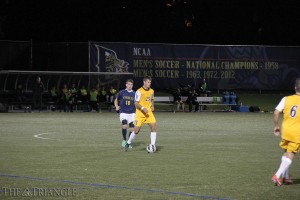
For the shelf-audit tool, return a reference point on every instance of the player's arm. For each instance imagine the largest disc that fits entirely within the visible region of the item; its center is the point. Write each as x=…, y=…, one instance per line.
x=276, y=124
x=276, y=114
x=137, y=102
x=152, y=104
x=139, y=107
x=116, y=102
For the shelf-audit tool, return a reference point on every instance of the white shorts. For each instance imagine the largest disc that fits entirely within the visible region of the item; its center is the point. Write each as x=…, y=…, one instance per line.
x=128, y=117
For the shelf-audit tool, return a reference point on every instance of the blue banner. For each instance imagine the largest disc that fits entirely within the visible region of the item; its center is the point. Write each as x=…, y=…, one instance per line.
x=223, y=67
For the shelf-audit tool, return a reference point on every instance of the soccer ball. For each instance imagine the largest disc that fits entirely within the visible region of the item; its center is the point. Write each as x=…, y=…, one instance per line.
x=151, y=148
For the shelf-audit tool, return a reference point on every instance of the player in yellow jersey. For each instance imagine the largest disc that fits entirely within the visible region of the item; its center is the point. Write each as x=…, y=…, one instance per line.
x=290, y=133
x=144, y=104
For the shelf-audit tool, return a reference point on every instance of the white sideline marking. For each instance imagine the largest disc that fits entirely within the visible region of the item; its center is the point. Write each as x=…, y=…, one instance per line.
x=44, y=138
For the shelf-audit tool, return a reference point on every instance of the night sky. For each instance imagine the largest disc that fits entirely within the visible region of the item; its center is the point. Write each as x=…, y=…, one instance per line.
x=255, y=22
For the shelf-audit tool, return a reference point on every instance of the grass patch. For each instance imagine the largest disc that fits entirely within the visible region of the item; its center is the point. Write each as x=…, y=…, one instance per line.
x=200, y=155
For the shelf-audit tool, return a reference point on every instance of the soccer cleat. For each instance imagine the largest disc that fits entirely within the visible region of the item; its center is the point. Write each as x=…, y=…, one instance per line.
x=287, y=181
x=123, y=143
x=126, y=146
x=130, y=147
x=276, y=181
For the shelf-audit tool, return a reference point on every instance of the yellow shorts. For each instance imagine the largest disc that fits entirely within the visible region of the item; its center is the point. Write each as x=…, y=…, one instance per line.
x=144, y=119
x=289, y=146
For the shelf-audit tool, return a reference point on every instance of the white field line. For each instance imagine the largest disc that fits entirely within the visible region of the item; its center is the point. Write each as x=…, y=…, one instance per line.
x=44, y=138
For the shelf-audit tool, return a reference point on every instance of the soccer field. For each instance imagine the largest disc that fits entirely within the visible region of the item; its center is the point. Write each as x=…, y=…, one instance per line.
x=206, y=155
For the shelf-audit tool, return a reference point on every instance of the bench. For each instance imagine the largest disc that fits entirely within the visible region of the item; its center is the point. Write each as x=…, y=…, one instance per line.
x=203, y=101
x=164, y=101
x=212, y=101
x=79, y=105
x=11, y=102
x=25, y=106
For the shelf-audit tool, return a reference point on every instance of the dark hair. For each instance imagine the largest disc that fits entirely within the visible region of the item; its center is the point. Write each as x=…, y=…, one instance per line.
x=147, y=78
x=297, y=85
x=129, y=80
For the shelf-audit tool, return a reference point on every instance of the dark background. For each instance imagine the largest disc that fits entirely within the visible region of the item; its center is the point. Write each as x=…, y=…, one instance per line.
x=253, y=22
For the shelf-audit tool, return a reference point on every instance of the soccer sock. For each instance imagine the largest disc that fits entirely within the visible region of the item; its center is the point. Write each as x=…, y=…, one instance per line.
x=129, y=134
x=124, y=130
x=132, y=136
x=286, y=174
x=153, y=138
x=285, y=163
x=286, y=171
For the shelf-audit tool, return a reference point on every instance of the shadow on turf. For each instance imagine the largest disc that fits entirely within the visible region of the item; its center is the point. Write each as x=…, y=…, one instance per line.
x=141, y=146
x=158, y=148
x=296, y=181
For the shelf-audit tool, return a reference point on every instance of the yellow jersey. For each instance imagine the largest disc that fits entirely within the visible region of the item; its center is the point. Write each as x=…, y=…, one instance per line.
x=145, y=98
x=290, y=129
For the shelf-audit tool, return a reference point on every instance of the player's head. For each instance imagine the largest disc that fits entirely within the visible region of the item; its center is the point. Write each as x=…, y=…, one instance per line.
x=129, y=84
x=147, y=82
x=297, y=85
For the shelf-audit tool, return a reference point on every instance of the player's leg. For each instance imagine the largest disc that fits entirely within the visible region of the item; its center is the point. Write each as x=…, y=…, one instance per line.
x=289, y=155
x=124, y=122
x=153, y=133
x=182, y=106
x=196, y=106
x=190, y=106
x=139, y=120
x=131, y=129
x=286, y=178
x=130, y=120
x=286, y=160
x=132, y=136
x=124, y=130
x=152, y=123
x=136, y=130
x=284, y=165
x=178, y=106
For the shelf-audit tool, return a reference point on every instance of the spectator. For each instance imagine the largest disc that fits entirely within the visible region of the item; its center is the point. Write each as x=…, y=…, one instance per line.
x=111, y=94
x=83, y=94
x=178, y=100
x=38, y=90
x=94, y=96
x=54, y=94
x=54, y=98
x=66, y=102
x=192, y=100
x=20, y=95
x=103, y=94
x=74, y=95
x=203, y=87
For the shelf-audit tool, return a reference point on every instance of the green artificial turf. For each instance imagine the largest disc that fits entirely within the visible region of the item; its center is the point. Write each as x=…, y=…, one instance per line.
x=204, y=155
